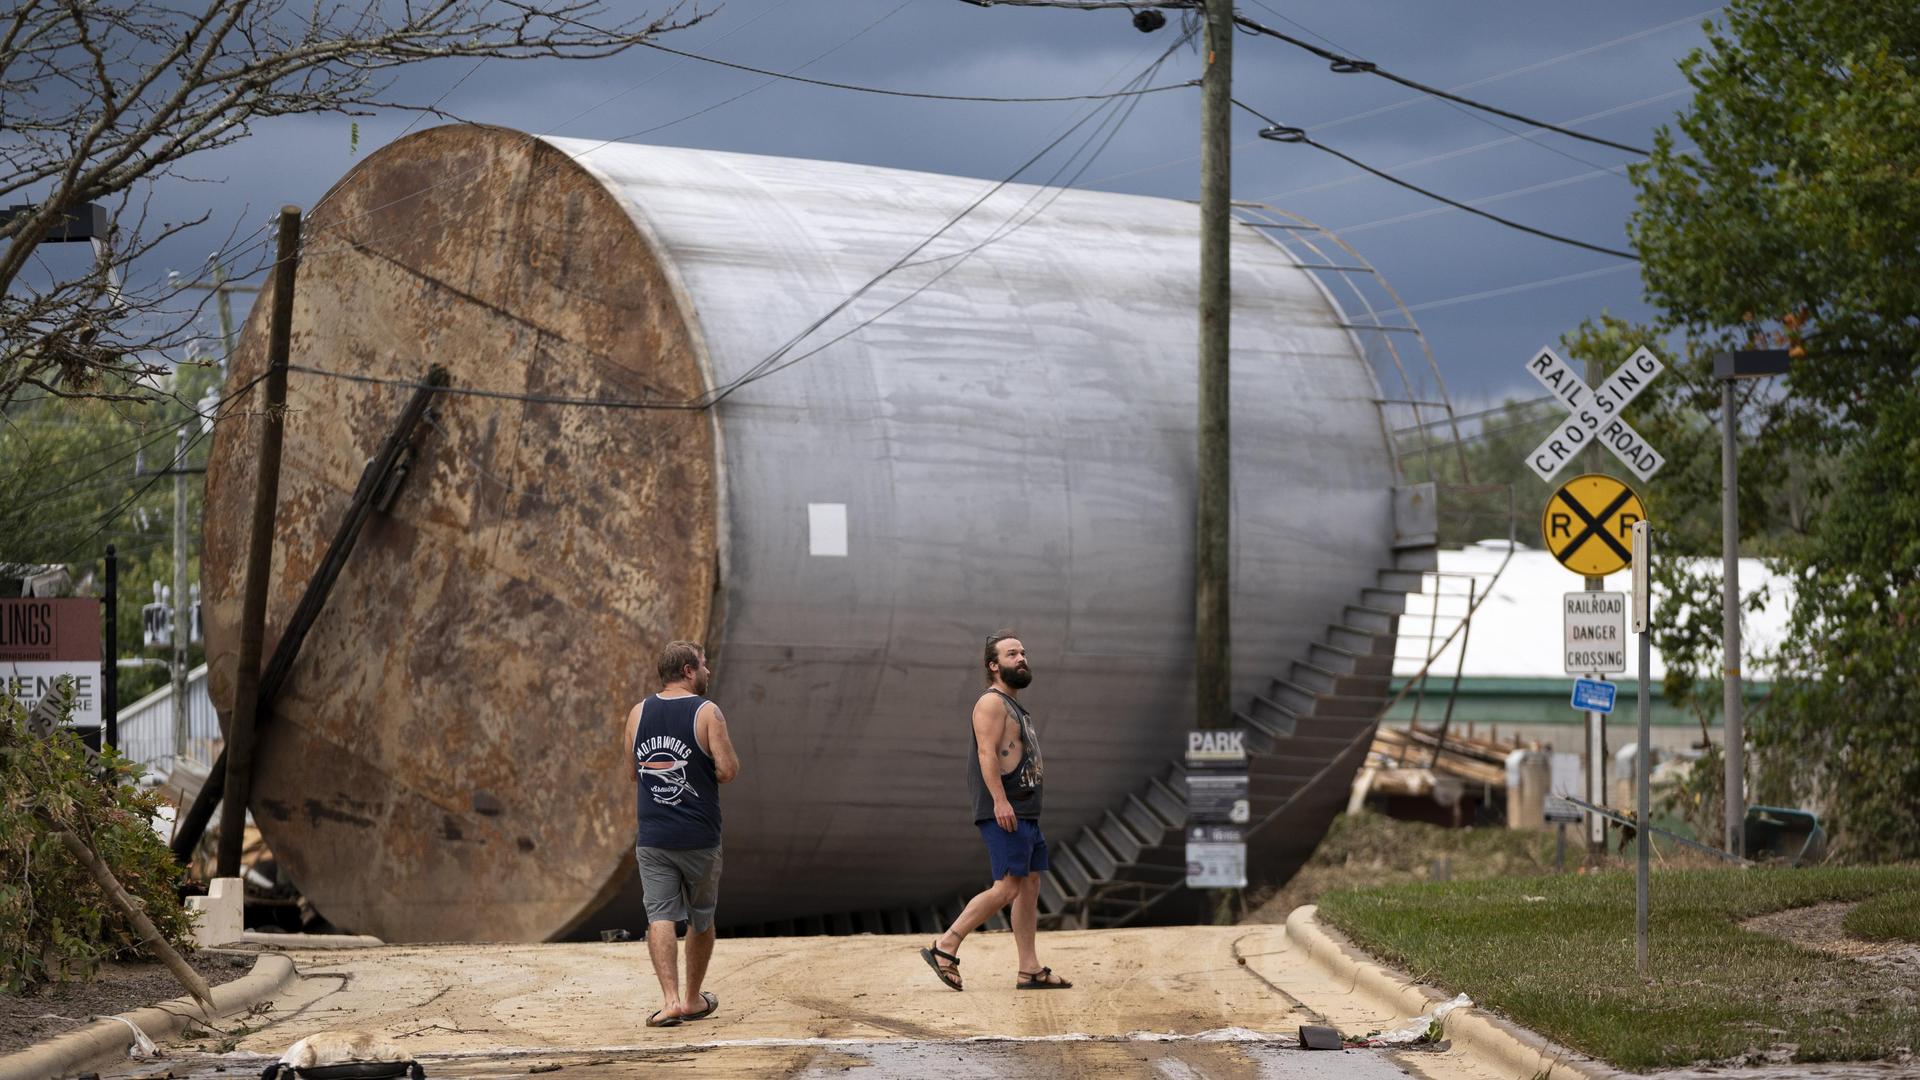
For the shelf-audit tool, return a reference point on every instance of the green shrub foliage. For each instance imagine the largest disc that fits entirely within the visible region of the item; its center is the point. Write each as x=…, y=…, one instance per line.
x=55, y=921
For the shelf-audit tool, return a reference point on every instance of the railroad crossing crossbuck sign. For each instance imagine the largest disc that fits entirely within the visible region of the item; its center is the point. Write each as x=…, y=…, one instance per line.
x=1593, y=413
x=1588, y=524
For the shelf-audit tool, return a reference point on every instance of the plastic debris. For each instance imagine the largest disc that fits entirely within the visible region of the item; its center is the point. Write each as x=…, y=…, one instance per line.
x=1422, y=1028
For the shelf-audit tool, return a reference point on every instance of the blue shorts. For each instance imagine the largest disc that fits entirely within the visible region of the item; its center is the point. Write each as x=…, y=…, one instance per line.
x=1018, y=853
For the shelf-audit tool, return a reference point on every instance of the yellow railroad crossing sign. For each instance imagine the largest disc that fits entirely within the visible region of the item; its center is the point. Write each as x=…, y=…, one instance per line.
x=1588, y=524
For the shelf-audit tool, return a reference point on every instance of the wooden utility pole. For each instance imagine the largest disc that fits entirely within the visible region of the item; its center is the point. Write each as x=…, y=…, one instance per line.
x=1213, y=659
x=266, y=498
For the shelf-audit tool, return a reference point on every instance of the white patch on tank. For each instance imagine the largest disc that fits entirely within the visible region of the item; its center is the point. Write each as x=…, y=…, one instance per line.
x=827, y=529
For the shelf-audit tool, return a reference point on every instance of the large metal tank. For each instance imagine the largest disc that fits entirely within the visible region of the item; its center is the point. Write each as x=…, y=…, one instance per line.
x=1012, y=445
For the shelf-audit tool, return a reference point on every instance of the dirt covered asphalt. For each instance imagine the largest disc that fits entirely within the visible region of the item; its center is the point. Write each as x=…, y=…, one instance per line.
x=1163, y=1002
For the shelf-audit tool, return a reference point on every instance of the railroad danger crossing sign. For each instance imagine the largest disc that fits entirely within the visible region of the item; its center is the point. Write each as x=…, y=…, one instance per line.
x=1588, y=524
x=1593, y=413
x=1595, y=639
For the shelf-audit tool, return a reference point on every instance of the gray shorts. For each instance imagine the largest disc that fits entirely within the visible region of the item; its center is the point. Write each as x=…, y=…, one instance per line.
x=680, y=885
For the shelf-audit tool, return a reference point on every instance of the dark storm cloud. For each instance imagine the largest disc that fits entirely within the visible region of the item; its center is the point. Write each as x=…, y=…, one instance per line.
x=948, y=46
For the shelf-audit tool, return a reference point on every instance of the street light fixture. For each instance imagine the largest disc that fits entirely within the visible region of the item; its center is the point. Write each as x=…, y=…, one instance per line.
x=1728, y=368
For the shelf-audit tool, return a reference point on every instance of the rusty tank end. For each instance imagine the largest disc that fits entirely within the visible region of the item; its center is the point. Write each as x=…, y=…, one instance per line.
x=440, y=765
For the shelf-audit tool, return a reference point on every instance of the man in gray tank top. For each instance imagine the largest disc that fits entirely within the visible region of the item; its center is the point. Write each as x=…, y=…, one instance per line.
x=1005, y=776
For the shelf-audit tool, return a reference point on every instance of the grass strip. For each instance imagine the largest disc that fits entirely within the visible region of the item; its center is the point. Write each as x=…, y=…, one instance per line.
x=1556, y=954
x=1891, y=916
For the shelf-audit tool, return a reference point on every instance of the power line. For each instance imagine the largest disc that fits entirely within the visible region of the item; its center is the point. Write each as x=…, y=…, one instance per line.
x=1501, y=196
x=1279, y=132
x=1348, y=65
x=1528, y=286
x=1511, y=72
x=1338, y=61
x=775, y=75
x=111, y=515
x=927, y=96
x=779, y=359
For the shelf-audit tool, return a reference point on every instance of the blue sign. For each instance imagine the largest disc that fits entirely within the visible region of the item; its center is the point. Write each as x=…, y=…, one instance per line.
x=1593, y=695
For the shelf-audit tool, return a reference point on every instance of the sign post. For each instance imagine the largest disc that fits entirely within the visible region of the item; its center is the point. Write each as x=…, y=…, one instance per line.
x=1643, y=763
x=1587, y=525
x=1218, y=809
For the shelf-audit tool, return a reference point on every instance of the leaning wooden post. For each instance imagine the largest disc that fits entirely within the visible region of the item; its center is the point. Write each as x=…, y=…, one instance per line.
x=150, y=935
x=266, y=497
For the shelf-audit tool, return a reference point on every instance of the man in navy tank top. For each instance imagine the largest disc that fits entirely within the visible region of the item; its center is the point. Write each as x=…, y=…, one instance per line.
x=1004, y=778
x=677, y=745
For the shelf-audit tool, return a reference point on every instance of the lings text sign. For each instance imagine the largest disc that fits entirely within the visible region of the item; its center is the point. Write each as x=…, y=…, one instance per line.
x=41, y=640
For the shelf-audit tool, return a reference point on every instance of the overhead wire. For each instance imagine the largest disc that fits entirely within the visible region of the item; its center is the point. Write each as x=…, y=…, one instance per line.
x=1337, y=58
x=782, y=357
x=1343, y=64
x=221, y=412
x=776, y=75
x=1279, y=132
x=1527, y=286
x=1499, y=196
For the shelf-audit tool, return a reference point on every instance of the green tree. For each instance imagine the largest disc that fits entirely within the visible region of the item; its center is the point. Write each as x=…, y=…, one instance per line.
x=75, y=477
x=1794, y=220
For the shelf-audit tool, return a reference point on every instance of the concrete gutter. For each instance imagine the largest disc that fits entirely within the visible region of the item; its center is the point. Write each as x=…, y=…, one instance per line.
x=107, y=1040
x=1503, y=1047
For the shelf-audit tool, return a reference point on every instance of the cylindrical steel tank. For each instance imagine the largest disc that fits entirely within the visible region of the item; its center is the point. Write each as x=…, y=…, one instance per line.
x=1011, y=445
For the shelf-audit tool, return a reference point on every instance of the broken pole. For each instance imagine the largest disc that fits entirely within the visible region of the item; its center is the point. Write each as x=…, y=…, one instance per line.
x=266, y=497
x=129, y=908
x=377, y=482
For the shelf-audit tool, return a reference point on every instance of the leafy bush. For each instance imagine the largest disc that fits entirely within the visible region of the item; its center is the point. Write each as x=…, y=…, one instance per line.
x=55, y=922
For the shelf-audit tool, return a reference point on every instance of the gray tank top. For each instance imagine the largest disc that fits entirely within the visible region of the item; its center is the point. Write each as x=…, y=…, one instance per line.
x=1022, y=783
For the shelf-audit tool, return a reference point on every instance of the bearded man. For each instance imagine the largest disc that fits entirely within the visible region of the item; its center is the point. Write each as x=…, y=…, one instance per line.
x=1004, y=778
x=679, y=752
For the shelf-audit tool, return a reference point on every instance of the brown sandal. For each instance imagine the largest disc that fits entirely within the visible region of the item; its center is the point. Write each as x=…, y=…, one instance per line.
x=949, y=973
x=1044, y=979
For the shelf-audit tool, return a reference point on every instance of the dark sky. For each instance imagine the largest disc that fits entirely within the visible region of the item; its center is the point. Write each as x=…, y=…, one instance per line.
x=1559, y=62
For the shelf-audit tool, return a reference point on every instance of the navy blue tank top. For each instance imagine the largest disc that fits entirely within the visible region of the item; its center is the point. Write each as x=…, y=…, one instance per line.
x=679, y=797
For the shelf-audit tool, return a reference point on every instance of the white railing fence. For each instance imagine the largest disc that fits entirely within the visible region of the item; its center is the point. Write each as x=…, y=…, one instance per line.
x=147, y=727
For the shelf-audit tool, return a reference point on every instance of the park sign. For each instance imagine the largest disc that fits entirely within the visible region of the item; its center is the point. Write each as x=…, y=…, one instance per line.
x=1593, y=413
x=43, y=639
x=1588, y=524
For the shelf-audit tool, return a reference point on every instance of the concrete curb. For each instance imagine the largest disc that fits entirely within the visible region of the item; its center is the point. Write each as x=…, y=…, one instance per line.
x=1502, y=1046
x=106, y=1041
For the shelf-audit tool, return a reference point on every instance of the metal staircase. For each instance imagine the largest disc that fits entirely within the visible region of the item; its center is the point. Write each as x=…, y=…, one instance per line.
x=1306, y=736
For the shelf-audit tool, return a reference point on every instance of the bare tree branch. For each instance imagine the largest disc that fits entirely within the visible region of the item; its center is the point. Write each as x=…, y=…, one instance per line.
x=99, y=97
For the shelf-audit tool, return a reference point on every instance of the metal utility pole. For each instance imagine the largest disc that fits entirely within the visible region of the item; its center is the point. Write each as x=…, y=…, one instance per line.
x=1643, y=763
x=1213, y=658
x=110, y=665
x=1732, y=726
x=182, y=612
x=1729, y=367
x=1596, y=727
x=266, y=497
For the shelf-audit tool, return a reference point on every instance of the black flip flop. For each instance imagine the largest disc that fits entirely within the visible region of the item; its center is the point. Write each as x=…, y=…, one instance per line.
x=654, y=1019
x=1039, y=980
x=712, y=1004
x=950, y=976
